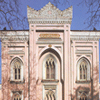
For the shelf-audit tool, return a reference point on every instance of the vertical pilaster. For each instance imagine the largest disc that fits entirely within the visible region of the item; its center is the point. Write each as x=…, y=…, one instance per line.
x=95, y=72
x=32, y=63
x=66, y=61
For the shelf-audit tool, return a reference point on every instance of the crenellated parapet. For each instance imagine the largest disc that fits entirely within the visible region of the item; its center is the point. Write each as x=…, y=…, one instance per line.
x=49, y=14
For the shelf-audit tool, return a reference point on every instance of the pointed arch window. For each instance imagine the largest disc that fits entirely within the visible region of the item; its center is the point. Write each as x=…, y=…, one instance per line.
x=50, y=68
x=83, y=97
x=83, y=70
x=50, y=95
x=17, y=96
x=16, y=70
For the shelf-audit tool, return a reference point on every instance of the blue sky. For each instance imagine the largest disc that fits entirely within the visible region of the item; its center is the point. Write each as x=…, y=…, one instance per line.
x=79, y=11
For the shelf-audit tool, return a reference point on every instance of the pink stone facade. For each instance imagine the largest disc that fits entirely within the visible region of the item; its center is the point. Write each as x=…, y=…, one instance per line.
x=99, y=91
x=74, y=55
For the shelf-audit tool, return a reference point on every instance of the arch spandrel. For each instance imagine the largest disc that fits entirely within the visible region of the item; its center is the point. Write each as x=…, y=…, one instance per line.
x=51, y=50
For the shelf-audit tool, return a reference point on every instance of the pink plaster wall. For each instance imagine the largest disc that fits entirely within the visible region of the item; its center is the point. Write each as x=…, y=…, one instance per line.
x=67, y=52
x=0, y=94
x=7, y=86
x=93, y=85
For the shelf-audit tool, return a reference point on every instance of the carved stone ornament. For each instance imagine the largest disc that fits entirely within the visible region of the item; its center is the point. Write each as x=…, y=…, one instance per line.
x=49, y=14
x=49, y=36
x=49, y=45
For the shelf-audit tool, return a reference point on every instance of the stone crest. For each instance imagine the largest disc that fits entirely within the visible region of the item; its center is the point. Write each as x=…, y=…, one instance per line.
x=49, y=14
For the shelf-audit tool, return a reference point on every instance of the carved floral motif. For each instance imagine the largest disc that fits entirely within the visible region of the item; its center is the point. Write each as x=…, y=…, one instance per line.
x=49, y=13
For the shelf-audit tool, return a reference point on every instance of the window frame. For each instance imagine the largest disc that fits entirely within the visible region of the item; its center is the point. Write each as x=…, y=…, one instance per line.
x=50, y=94
x=17, y=74
x=88, y=71
x=16, y=59
x=17, y=95
x=49, y=67
x=44, y=67
x=52, y=88
x=82, y=68
x=83, y=94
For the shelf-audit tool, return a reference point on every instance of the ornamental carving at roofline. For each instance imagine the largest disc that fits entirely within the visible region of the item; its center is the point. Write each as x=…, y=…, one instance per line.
x=50, y=13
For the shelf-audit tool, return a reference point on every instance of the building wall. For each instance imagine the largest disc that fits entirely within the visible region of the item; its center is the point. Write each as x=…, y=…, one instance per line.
x=0, y=93
x=99, y=91
x=41, y=44
x=13, y=49
x=69, y=51
x=88, y=50
x=66, y=51
x=50, y=37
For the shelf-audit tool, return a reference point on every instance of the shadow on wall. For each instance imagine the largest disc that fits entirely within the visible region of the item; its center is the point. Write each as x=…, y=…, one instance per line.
x=0, y=92
x=91, y=92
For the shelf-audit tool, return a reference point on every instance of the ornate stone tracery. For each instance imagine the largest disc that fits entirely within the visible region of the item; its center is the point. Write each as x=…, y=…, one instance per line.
x=49, y=14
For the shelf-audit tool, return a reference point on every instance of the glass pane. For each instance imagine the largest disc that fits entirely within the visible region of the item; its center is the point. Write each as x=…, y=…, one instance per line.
x=84, y=73
x=47, y=72
x=19, y=77
x=53, y=73
x=50, y=69
x=15, y=76
x=54, y=97
x=83, y=97
x=19, y=98
x=47, y=97
x=18, y=73
x=80, y=72
x=50, y=97
x=84, y=77
x=80, y=76
x=15, y=71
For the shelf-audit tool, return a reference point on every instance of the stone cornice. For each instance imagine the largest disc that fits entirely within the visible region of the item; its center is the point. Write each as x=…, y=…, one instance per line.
x=83, y=51
x=14, y=36
x=49, y=14
x=16, y=52
x=23, y=36
x=86, y=38
x=85, y=35
x=49, y=42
